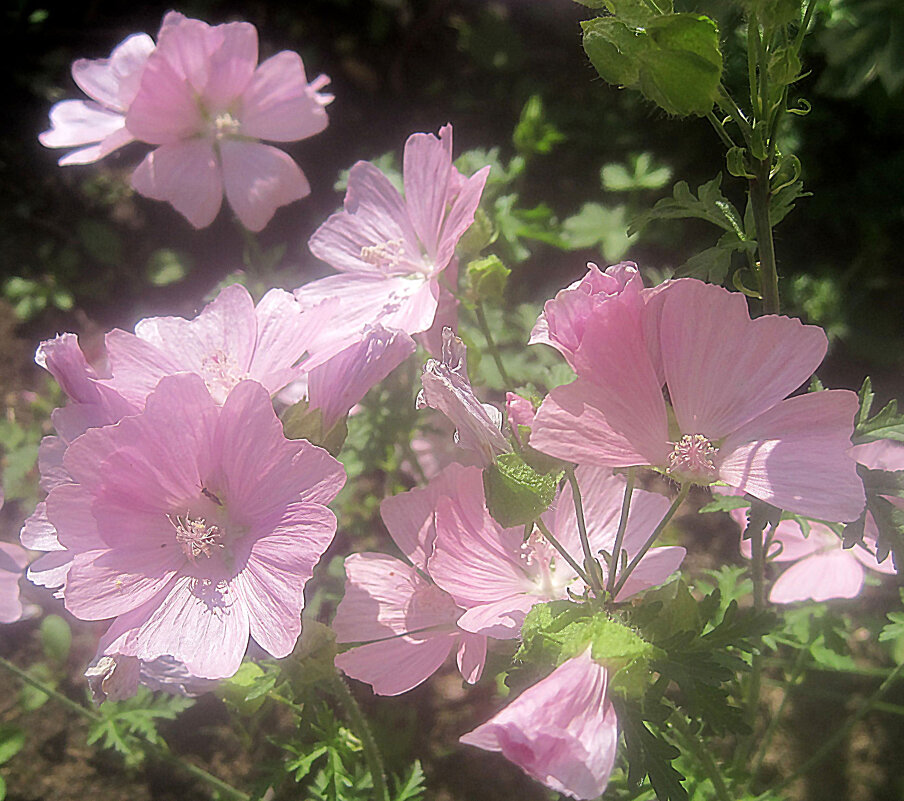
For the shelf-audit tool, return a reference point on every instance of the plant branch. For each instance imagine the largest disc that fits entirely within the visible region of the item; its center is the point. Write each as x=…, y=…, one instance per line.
x=544, y=530
x=620, y=534
x=590, y=564
x=702, y=755
x=491, y=344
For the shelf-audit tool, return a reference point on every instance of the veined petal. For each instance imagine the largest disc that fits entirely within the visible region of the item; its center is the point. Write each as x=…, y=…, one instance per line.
x=393, y=667
x=427, y=169
x=230, y=65
x=833, y=574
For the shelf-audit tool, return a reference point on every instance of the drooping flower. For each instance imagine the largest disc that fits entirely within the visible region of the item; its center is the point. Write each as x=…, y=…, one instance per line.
x=206, y=103
x=446, y=387
x=229, y=341
x=13, y=560
x=562, y=731
x=390, y=249
x=497, y=575
x=194, y=526
x=729, y=419
x=821, y=568
x=96, y=127
x=407, y=623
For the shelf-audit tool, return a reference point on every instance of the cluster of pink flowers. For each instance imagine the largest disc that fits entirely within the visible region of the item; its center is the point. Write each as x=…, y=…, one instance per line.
x=200, y=97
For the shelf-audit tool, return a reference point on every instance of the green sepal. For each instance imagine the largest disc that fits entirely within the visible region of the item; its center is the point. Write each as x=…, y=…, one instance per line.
x=301, y=422
x=516, y=493
x=485, y=280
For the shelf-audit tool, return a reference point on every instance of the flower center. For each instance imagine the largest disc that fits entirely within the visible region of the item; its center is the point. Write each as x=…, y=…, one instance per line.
x=385, y=256
x=692, y=459
x=196, y=536
x=221, y=373
x=225, y=126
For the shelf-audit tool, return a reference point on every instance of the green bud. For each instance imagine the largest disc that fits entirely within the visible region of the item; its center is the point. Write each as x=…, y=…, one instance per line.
x=516, y=493
x=486, y=280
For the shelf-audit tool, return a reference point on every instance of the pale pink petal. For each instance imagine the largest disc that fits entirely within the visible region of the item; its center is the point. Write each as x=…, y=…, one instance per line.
x=187, y=45
x=278, y=567
x=258, y=179
x=562, y=731
x=471, y=656
x=409, y=516
x=68, y=510
x=520, y=410
x=374, y=233
x=200, y=624
x=342, y=381
x=460, y=216
x=80, y=122
x=654, y=569
x=384, y=597
x=114, y=82
x=13, y=560
x=230, y=66
x=572, y=426
x=446, y=315
x=883, y=454
x=788, y=541
x=185, y=174
x=104, y=584
x=795, y=457
x=38, y=533
x=136, y=365
x=501, y=619
x=713, y=355
x=284, y=334
x=427, y=168
x=277, y=105
x=50, y=570
x=834, y=574
x=92, y=153
x=393, y=667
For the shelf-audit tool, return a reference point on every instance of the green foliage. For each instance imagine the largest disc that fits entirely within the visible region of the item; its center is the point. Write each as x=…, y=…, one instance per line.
x=893, y=631
x=12, y=739
x=166, y=266
x=485, y=280
x=534, y=134
x=885, y=424
x=648, y=754
x=516, y=494
x=673, y=59
x=56, y=638
x=247, y=690
x=599, y=225
x=643, y=175
x=30, y=297
x=122, y=722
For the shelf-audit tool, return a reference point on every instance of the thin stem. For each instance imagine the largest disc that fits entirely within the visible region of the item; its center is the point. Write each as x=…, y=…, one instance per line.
x=361, y=727
x=544, y=530
x=753, y=34
x=829, y=745
x=702, y=755
x=620, y=534
x=590, y=565
x=804, y=26
x=727, y=103
x=158, y=750
x=768, y=271
x=682, y=494
x=720, y=130
x=491, y=344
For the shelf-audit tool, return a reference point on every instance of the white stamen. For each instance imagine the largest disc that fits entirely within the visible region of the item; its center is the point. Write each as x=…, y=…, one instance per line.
x=195, y=536
x=692, y=459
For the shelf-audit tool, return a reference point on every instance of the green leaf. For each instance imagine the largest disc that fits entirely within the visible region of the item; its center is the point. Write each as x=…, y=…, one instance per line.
x=101, y=241
x=614, y=49
x=711, y=265
x=246, y=691
x=724, y=503
x=167, y=267
x=12, y=739
x=885, y=424
x=56, y=638
x=682, y=74
x=596, y=224
x=533, y=134
x=412, y=786
x=650, y=754
x=516, y=493
x=709, y=204
x=485, y=280
x=643, y=175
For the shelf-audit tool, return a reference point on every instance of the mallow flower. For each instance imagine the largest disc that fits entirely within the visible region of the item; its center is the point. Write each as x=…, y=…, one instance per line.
x=562, y=731
x=405, y=624
x=97, y=127
x=391, y=249
x=194, y=525
x=497, y=575
x=728, y=418
x=206, y=103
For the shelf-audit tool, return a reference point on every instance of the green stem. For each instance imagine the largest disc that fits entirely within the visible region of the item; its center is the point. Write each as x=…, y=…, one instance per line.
x=695, y=745
x=159, y=751
x=768, y=271
x=720, y=130
x=491, y=344
x=544, y=530
x=804, y=26
x=590, y=564
x=829, y=745
x=753, y=35
x=728, y=105
x=615, y=559
x=361, y=727
x=682, y=494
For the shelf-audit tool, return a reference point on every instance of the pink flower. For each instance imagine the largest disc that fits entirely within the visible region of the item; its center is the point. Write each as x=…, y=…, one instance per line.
x=407, y=622
x=391, y=249
x=727, y=378
x=206, y=103
x=13, y=560
x=99, y=123
x=193, y=526
x=446, y=387
x=520, y=410
x=497, y=575
x=229, y=341
x=564, y=319
x=562, y=731
x=117, y=677
x=821, y=568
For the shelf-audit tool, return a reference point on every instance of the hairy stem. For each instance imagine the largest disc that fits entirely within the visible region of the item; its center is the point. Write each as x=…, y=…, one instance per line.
x=615, y=560
x=371, y=753
x=544, y=530
x=768, y=270
x=590, y=564
x=682, y=494
x=491, y=344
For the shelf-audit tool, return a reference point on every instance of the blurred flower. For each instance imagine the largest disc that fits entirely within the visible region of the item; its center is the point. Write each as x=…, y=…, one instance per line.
x=727, y=378
x=99, y=123
x=446, y=387
x=205, y=102
x=194, y=525
x=117, y=677
x=392, y=249
x=562, y=731
x=407, y=623
x=13, y=560
x=497, y=575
